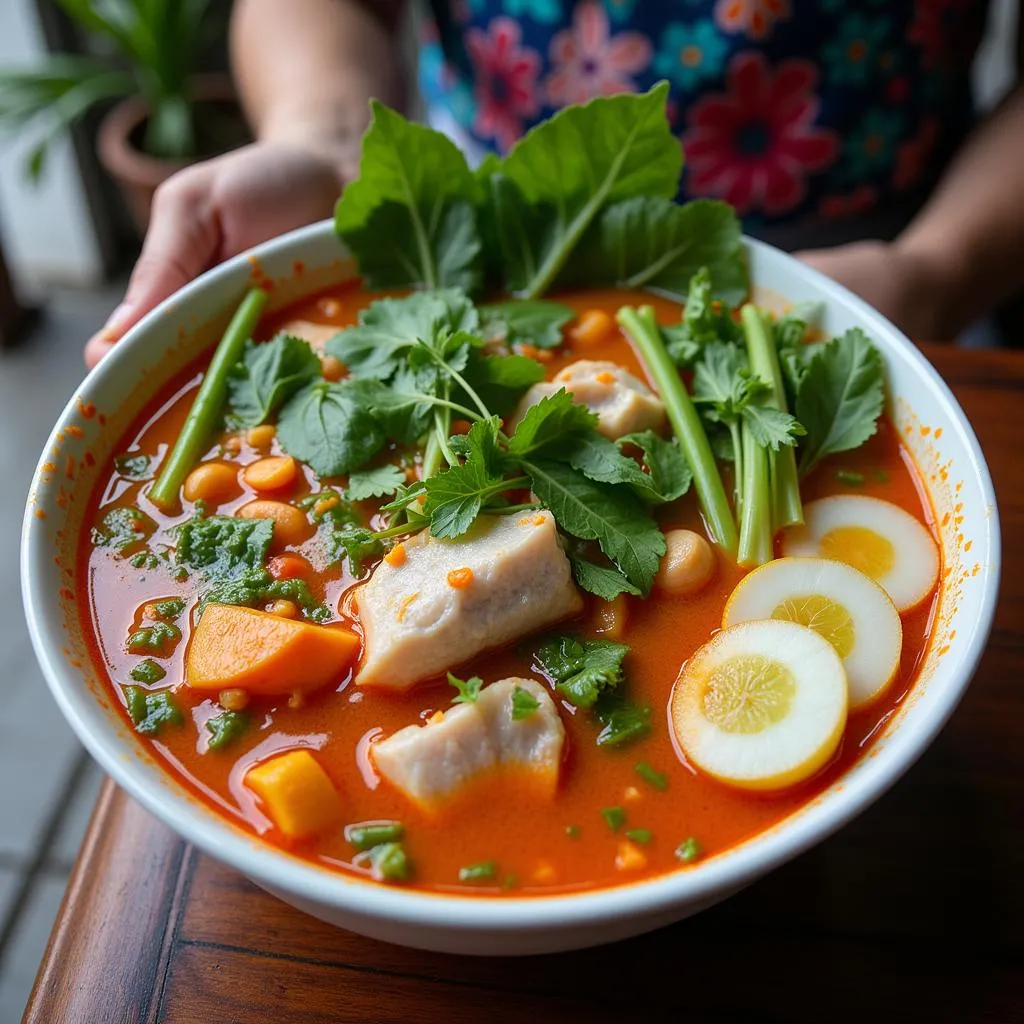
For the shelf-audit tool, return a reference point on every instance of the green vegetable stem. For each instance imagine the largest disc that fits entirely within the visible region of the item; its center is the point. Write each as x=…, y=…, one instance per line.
x=208, y=402
x=642, y=328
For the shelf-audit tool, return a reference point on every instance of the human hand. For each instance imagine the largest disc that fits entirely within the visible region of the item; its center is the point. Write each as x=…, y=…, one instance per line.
x=904, y=285
x=217, y=209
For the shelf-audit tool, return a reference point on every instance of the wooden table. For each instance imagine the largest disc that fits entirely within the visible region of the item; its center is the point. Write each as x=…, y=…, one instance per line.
x=914, y=912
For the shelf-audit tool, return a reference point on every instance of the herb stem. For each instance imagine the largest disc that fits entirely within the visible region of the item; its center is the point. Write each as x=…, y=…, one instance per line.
x=643, y=329
x=208, y=402
x=755, y=545
x=485, y=413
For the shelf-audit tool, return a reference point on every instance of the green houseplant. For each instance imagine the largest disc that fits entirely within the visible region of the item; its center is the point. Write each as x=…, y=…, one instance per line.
x=162, y=113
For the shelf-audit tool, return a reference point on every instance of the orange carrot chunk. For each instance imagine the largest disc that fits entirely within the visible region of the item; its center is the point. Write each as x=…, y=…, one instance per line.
x=273, y=473
x=297, y=793
x=242, y=648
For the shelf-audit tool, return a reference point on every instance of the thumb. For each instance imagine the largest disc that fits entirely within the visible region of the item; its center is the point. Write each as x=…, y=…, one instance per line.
x=180, y=244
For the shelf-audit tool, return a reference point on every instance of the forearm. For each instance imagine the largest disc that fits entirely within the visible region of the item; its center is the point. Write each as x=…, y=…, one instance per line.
x=970, y=234
x=306, y=69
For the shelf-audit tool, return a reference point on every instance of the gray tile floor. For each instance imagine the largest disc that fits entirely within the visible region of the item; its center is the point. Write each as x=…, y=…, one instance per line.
x=47, y=782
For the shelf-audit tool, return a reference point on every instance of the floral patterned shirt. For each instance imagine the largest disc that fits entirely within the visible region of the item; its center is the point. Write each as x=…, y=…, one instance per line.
x=791, y=110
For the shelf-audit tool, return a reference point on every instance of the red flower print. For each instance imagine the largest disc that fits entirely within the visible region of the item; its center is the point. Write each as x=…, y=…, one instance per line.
x=912, y=157
x=947, y=31
x=754, y=145
x=854, y=203
x=588, y=62
x=506, y=81
x=753, y=17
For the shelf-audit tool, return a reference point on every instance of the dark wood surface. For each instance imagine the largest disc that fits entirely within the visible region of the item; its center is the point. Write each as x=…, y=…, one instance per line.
x=913, y=912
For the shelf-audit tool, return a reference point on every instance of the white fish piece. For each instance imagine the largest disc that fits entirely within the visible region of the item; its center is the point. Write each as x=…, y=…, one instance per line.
x=429, y=763
x=452, y=599
x=624, y=404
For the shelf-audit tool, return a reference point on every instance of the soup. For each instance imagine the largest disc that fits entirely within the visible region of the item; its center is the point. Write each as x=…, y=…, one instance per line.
x=281, y=730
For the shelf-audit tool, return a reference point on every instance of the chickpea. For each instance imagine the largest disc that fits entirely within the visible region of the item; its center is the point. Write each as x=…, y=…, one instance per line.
x=688, y=565
x=284, y=608
x=261, y=437
x=234, y=699
x=290, y=523
x=591, y=328
x=213, y=482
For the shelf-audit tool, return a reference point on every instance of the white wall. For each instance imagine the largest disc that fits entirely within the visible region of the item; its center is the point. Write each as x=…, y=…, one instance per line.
x=46, y=231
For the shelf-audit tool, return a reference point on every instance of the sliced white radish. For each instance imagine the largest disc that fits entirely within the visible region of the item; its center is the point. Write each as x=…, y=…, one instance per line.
x=850, y=610
x=762, y=705
x=877, y=537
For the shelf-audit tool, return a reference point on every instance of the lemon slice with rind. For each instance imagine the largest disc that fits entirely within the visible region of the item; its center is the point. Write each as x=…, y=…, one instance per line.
x=877, y=537
x=852, y=612
x=762, y=705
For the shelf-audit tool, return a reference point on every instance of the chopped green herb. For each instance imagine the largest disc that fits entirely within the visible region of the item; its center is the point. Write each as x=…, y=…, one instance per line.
x=367, y=834
x=150, y=712
x=523, y=703
x=133, y=467
x=144, y=560
x=225, y=728
x=123, y=528
x=653, y=778
x=688, y=850
x=160, y=637
x=615, y=817
x=469, y=689
x=582, y=669
x=389, y=862
x=379, y=482
x=224, y=548
x=171, y=608
x=147, y=671
x=639, y=835
x=538, y=322
x=256, y=586
x=850, y=477
x=572, y=831
x=482, y=872
x=622, y=720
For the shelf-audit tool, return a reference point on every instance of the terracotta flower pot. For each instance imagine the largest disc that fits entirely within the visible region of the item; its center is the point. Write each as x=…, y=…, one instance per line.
x=139, y=174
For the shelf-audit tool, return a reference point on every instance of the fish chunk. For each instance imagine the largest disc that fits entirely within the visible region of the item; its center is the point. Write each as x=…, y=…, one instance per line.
x=430, y=762
x=624, y=404
x=448, y=600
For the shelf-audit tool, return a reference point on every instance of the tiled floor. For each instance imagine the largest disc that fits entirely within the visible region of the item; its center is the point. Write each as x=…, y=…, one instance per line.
x=47, y=783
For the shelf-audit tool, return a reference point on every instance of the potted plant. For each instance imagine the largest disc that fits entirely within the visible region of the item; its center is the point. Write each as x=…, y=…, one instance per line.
x=165, y=114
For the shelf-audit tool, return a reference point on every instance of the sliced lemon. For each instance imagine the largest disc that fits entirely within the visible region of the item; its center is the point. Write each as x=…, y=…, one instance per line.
x=877, y=537
x=852, y=612
x=762, y=705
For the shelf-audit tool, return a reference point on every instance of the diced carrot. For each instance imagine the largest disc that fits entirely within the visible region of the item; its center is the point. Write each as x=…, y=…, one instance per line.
x=296, y=792
x=274, y=473
x=591, y=328
x=460, y=578
x=290, y=523
x=436, y=717
x=235, y=647
x=544, y=872
x=324, y=505
x=212, y=482
x=396, y=556
x=630, y=857
x=289, y=567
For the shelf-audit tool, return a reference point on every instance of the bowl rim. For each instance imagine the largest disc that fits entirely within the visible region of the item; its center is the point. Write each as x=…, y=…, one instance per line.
x=320, y=885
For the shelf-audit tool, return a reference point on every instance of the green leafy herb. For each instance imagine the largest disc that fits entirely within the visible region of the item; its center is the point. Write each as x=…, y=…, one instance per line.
x=688, y=850
x=469, y=689
x=615, y=817
x=147, y=671
x=151, y=712
x=482, y=872
x=622, y=721
x=159, y=638
x=408, y=217
x=642, y=836
x=223, y=548
x=705, y=320
x=536, y=322
x=582, y=669
x=498, y=381
x=840, y=398
x=368, y=834
x=658, y=780
x=133, y=467
x=123, y=529
x=389, y=863
x=378, y=482
x=850, y=477
x=267, y=375
x=668, y=476
x=330, y=427
x=549, y=426
x=359, y=545
x=257, y=586
x=604, y=581
x=170, y=608
x=524, y=703
x=226, y=728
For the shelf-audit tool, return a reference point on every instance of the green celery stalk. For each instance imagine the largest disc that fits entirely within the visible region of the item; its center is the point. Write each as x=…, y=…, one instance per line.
x=208, y=402
x=787, y=508
x=755, y=546
x=642, y=328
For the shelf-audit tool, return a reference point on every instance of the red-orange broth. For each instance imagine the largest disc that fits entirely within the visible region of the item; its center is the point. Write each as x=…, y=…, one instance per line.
x=539, y=847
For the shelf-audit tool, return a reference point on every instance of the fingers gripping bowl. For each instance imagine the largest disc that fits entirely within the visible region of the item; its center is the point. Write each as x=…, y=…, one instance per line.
x=931, y=428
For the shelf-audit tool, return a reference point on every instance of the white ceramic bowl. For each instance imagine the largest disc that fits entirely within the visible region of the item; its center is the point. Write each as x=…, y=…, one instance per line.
x=933, y=426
